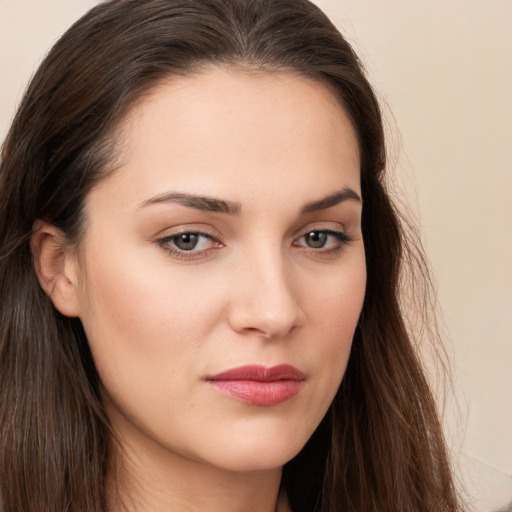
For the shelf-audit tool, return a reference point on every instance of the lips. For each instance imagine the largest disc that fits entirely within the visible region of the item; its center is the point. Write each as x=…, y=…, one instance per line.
x=259, y=385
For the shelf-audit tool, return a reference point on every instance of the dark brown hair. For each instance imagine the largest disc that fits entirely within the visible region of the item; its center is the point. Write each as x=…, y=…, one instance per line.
x=380, y=446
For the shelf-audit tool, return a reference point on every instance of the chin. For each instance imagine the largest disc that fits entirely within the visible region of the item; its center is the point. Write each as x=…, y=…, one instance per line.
x=254, y=462
x=260, y=453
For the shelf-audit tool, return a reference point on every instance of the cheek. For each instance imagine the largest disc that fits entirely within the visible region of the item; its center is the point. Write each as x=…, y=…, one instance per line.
x=146, y=340
x=336, y=306
x=333, y=314
x=142, y=321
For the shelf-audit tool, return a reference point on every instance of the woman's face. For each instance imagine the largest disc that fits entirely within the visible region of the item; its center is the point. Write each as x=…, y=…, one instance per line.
x=227, y=245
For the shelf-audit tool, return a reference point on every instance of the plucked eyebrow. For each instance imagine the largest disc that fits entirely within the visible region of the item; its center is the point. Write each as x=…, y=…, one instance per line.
x=212, y=204
x=204, y=203
x=346, y=194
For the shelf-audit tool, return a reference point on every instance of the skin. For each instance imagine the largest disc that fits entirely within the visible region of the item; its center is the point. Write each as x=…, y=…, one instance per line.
x=254, y=290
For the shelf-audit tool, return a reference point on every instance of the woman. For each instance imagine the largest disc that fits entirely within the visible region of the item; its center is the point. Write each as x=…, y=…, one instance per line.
x=197, y=311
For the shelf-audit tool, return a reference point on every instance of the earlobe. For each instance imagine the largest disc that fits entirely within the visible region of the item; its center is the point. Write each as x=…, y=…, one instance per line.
x=55, y=267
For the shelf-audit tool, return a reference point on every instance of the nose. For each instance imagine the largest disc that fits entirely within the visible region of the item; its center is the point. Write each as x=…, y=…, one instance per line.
x=266, y=302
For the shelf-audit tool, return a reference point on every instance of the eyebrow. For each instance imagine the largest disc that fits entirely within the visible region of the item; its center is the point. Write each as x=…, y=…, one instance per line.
x=346, y=194
x=211, y=204
x=205, y=203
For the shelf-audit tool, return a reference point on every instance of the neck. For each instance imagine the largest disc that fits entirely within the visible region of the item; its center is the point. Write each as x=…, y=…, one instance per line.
x=155, y=480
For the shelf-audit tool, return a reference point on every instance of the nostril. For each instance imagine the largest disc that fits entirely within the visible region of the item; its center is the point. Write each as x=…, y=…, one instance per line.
x=247, y=318
x=266, y=302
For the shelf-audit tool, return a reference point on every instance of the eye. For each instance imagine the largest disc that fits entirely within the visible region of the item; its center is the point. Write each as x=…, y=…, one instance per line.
x=326, y=240
x=316, y=239
x=188, y=244
x=187, y=241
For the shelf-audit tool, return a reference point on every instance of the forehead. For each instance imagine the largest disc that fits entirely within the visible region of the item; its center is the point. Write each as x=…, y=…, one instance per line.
x=235, y=128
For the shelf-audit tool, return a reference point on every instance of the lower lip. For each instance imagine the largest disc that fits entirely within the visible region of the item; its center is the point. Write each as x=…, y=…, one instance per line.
x=257, y=392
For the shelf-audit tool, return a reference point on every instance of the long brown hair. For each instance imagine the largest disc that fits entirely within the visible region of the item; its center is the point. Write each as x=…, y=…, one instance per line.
x=380, y=446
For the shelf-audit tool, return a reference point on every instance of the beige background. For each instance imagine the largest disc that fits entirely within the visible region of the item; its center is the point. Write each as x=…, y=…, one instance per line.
x=445, y=70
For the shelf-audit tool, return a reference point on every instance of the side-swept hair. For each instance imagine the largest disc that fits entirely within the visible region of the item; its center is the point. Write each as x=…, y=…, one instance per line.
x=380, y=447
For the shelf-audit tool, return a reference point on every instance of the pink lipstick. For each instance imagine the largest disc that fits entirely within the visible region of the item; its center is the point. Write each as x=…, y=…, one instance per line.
x=258, y=385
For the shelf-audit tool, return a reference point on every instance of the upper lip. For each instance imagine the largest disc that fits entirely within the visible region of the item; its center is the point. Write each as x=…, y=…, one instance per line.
x=260, y=373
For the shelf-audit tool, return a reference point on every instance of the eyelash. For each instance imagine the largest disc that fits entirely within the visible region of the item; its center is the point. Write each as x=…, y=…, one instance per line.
x=183, y=254
x=342, y=239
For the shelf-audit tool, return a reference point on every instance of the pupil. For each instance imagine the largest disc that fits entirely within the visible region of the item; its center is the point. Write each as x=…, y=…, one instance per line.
x=187, y=241
x=316, y=239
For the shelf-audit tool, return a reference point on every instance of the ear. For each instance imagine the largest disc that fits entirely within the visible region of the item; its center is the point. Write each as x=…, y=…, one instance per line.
x=56, y=267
